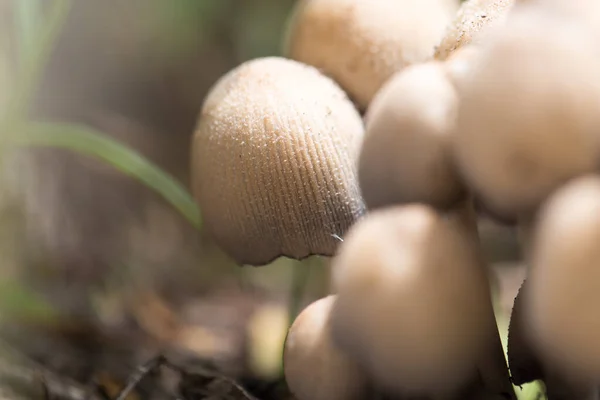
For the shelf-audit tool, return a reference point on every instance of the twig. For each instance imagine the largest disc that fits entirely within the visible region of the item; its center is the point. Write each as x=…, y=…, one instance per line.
x=143, y=371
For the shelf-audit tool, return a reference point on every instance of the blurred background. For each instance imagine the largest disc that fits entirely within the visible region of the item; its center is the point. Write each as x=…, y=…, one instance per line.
x=99, y=272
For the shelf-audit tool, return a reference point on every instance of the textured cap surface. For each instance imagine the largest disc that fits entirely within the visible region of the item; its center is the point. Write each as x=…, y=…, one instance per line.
x=361, y=43
x=274, y=162
x=473, y=19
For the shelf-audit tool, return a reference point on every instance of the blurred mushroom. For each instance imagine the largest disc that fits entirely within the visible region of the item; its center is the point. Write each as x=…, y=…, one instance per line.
x=524, y=364
x=361, y=44
x=564, y=281
x=584, y=12
x=459, y=64
x=405, y=156
x=525, y=360
x=528, y=117
x=413, y=302
x=473, y=20
x=274, y=160
x=315, y=368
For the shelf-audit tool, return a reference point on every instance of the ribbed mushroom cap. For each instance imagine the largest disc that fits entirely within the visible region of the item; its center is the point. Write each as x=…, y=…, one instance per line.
x=361, y=43
x=413, y=302
x=563, y=286
x=274, y=162
x=528, y=118
x=473, y=20
x=406, y=155
x=315, y=368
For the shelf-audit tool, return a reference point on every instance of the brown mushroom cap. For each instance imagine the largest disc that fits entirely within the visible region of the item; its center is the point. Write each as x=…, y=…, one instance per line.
x=528, y=117
x=274, y=162
x=413, y=303
x=564, y=280
x=406, y=156
x=315, y=368
x=360, y=43
x=473, y=20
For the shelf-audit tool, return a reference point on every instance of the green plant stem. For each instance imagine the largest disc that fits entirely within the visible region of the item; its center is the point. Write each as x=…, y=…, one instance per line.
x=300, y=277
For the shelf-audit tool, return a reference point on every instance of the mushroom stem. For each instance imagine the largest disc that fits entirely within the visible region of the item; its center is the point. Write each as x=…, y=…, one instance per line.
x=493, y=369
x=301, y=271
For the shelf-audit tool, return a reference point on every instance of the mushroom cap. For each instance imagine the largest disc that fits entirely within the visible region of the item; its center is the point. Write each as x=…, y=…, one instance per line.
x=315, y=368
x=528, y=116
x=274, y=162
x=523, y=362
x=586, y=12
x=472, y=23
x=360, y=43
x=406, y=156
x=563, y=285
x=459, y=64
x=413, y=301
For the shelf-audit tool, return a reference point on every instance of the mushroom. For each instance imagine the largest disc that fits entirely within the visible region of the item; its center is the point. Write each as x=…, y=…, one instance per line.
x=474, y=20
x=525, y=360
x=274, y=162
x=405, y=156
x=525, y=365
x=459, y=64
x=564, y=281
x=528, y=115
x=314, y=367
x=585, y=12
x=412, y=301
x=360, y=43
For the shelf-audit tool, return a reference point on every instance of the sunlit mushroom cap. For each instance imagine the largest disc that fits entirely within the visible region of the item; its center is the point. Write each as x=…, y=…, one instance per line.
x=361, y=43
x=564, y=280
x=528, y=116
x=413, y=302
x=274, y=162
x=406, y=154
x=472, y=23
x=315, y=368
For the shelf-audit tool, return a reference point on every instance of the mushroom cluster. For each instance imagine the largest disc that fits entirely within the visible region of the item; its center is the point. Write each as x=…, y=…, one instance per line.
x=489, y=109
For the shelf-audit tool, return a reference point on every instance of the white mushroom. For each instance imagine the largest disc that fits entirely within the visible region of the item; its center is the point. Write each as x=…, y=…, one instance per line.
x=315, y=368
x=474, y=20
x=528, y=117
x=564, y=281
x=361, y=43
x=274, y=162
x=406, y=155
x=413, y=302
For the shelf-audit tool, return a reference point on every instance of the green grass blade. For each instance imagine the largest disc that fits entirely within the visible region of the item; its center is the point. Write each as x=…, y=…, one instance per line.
x=88, y=141
x=21, y=302
x=27, y=14
x=29, y=74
